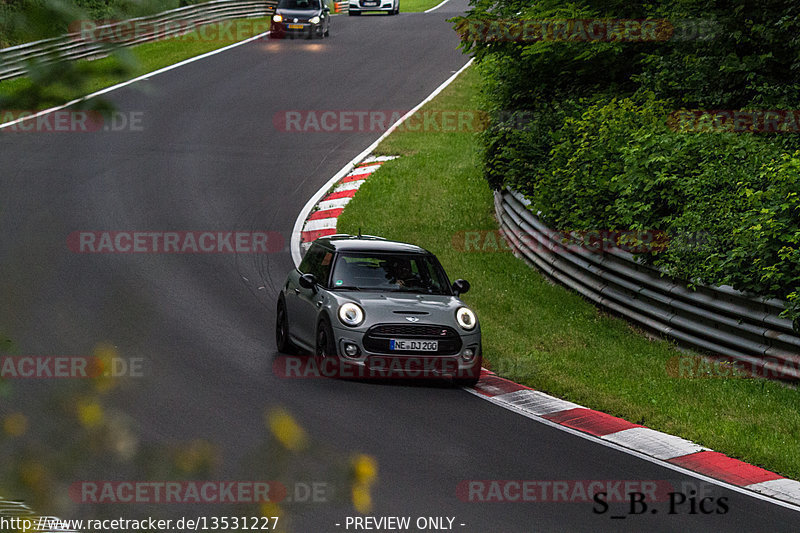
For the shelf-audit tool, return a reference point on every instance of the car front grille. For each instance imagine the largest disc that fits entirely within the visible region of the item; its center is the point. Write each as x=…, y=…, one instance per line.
x=376, y=339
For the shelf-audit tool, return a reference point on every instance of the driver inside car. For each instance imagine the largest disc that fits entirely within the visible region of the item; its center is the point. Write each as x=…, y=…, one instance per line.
x=400, y=273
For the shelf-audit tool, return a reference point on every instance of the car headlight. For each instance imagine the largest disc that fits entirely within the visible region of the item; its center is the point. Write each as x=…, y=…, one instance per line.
x=466, y=318
x=351, y=314
x=277, y=18
x=314, y=20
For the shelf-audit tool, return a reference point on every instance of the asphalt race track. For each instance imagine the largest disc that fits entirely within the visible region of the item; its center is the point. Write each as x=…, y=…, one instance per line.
x=209, y=157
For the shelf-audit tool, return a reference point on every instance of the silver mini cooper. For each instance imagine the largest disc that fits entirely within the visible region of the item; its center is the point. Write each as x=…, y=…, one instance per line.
x=383, y=308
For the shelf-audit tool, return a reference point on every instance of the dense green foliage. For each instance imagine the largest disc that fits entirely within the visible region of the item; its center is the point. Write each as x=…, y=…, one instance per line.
x=601, y=147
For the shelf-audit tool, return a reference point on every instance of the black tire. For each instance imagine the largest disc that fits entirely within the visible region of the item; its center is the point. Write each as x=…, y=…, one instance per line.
x=327, y=32
x=465, y=382
x=282, y=339
x=470, y=380
x=326, y=344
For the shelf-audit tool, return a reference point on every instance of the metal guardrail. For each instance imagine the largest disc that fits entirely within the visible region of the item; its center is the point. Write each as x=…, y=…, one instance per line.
x=96, y=42
x=717, y=320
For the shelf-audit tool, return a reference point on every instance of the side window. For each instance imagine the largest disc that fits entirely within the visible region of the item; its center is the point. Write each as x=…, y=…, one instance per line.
x=325, y=268
x=317, y=261
x=311, y=260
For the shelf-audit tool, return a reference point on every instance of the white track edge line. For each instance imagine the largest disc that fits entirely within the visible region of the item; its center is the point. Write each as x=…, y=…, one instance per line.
x=133, y=80
x=301, y=218
x=640, y=455
x=434, y=8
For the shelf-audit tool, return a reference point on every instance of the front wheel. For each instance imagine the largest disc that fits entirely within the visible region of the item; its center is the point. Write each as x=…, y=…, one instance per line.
x=326, y=344
x=469, y=378
x=282, y=340
x=465, y=382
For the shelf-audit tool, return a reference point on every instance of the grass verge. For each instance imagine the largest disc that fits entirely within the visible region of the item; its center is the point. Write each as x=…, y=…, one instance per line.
x=412, y=6
x=137, y=60
x=545, y=336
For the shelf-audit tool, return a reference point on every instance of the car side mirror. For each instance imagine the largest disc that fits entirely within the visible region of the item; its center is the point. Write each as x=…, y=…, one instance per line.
x=308, y=281
x=460, y=286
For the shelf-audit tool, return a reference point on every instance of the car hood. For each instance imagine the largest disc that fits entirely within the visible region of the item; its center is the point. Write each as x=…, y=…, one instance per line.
x=394, y=307
x=298, y=13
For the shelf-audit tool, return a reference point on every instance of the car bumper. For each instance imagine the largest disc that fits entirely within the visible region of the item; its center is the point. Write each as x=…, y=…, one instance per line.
x=380, y=6
x=304, y=29
x=371, y=364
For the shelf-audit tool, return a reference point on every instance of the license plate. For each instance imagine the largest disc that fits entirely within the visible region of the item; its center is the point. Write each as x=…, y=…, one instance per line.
x=413, y=345
x=370, y=4
x=295, y=26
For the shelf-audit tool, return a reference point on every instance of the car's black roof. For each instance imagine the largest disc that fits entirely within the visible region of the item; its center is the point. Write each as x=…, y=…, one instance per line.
x=368, y=243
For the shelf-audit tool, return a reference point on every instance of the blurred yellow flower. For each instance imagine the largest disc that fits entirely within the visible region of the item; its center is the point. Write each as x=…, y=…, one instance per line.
x=365, y=468
x=15, y=424
x=271, y=509
x=362, y=500
x=286, y=430
x=197, y=454
x=365, y=472
x=90, y=413
x=32, y=474
x=104, y=354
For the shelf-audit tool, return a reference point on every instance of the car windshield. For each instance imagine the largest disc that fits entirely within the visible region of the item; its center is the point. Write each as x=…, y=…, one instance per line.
x=299, y=4
x=389, y=272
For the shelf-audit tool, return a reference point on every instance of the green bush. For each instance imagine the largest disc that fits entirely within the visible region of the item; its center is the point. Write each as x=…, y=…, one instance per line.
x=767, y=259
x=728, y=201
x=599, y=152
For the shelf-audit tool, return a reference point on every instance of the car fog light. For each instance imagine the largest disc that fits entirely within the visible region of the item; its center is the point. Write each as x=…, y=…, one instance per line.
x=351, y=349
x=468, y=355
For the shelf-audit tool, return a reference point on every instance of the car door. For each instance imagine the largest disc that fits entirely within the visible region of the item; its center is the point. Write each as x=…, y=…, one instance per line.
x=306, y=303
x=296, y=296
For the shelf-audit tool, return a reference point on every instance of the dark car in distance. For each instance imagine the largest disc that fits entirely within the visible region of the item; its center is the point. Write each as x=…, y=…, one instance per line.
x=301, y=18
x=383, y=307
